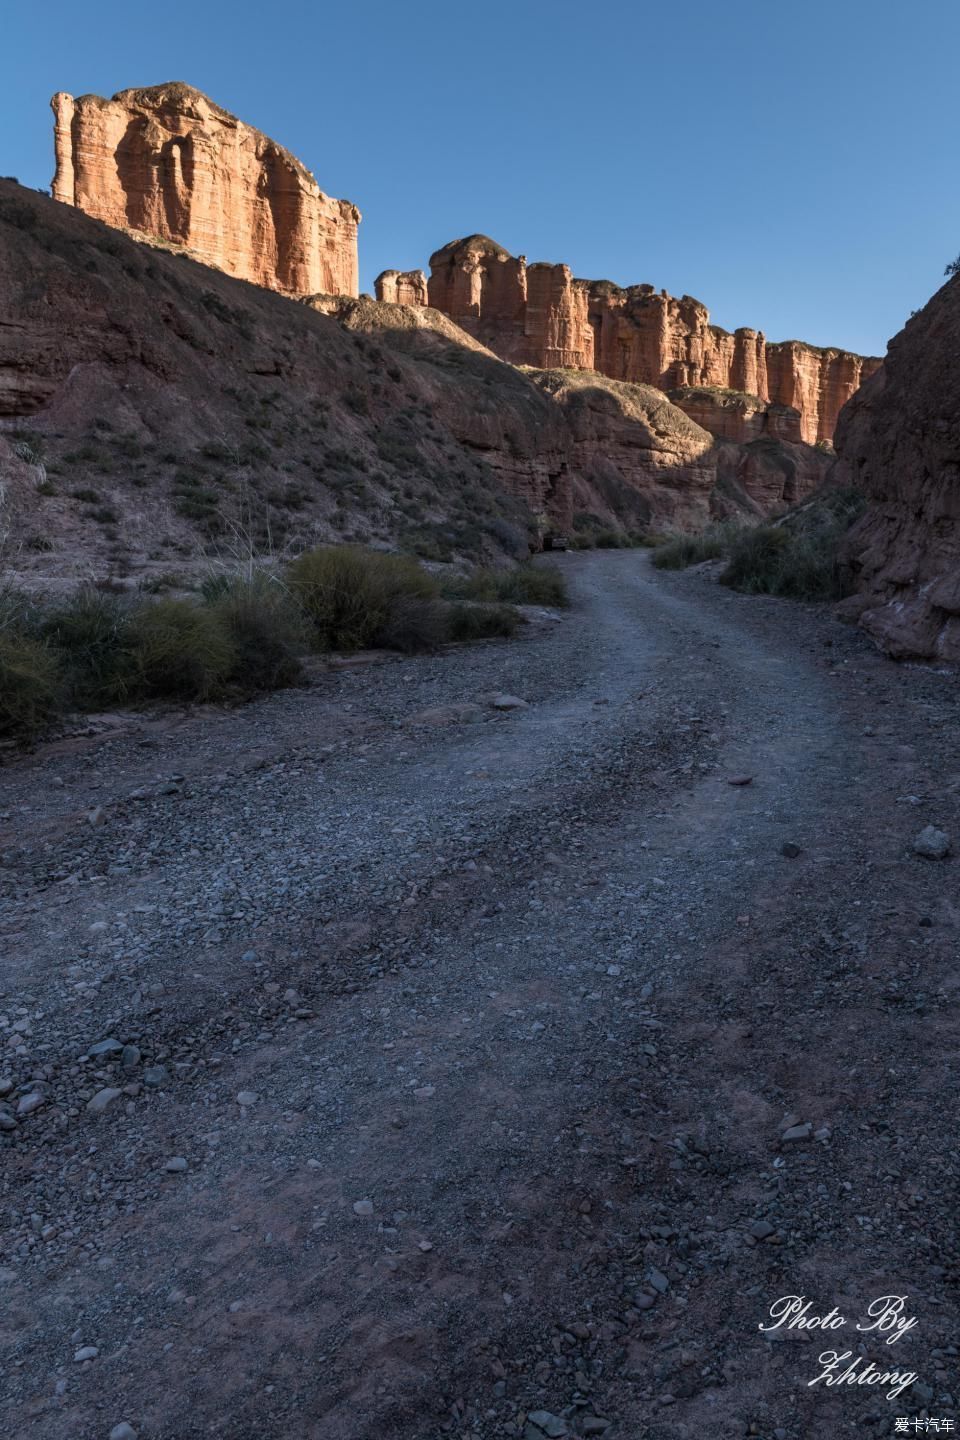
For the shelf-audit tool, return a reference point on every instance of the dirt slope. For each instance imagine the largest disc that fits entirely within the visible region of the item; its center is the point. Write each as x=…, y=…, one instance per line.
x=519, y=1007
x=151, y=406
x=153, y=411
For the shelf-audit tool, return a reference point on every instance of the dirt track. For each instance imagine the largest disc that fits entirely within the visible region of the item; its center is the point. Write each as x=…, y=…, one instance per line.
x=540, y=986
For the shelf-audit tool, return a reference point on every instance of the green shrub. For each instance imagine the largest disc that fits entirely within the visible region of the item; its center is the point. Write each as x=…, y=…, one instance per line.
x=30, y=685
x=180, y=649
x=481, y=622
x=91, y=633
x=524, y=585
x=799, y=557
x=755, y=560
x=348, y=592
x=686, y=550
x=265, y=627
x=414, y=626
x=610, y=539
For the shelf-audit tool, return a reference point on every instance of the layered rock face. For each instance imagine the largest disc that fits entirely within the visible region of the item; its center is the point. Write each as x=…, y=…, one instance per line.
x=529, y=315
x=170, y=164
x=898, y=440
x=539, y=315
x=401, y=287
x=733, y=415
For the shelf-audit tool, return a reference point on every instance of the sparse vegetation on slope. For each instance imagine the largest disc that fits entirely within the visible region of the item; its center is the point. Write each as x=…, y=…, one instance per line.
x=798, y=557
x=526, y=585
x=245, y=632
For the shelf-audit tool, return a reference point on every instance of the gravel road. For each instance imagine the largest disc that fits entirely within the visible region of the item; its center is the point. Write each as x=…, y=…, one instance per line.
x=380, y=1063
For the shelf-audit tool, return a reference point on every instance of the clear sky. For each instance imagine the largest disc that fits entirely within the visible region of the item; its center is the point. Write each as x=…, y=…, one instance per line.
x=793, y=166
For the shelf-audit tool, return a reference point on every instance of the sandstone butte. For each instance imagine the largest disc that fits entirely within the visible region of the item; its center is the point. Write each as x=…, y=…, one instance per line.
x=170, y=164
x=899, y=442
x=540, y=315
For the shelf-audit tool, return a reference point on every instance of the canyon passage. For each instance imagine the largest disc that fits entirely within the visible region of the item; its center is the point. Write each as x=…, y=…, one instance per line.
x=467, y=1104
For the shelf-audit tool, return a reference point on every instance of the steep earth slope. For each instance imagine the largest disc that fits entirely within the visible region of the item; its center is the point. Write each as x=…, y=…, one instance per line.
x=153, y=409
x=151, y=406
x=899, y=440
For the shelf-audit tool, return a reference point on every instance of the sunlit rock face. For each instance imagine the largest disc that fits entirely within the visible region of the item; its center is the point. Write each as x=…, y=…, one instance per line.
x=170, y=164
x=541, y=315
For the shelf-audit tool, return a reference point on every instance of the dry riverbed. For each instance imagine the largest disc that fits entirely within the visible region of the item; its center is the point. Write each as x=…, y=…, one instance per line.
x=378, y=1062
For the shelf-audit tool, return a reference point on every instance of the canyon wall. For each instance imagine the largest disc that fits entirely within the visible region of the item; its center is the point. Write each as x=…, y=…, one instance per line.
x=170, y=164
x=898, y=441
x=540, y=315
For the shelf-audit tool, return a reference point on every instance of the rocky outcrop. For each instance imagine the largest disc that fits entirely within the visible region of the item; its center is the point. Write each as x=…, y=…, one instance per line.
x=898, y=440
x=401, y=287
x=634, y=456
x=169, y=164
x=639, y=459
x=540, y=315
x=733, y=415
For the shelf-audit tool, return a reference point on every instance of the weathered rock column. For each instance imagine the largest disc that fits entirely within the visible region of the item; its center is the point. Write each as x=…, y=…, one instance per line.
x=64, y=182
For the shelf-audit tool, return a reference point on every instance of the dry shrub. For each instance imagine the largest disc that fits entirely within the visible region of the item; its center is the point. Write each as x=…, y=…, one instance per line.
x=348, y=592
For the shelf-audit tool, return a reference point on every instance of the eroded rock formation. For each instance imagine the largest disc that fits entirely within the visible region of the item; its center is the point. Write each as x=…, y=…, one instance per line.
x=401, y=287
x=898, y=441
x=733, y=415
x=540, y=315
x=170, y=164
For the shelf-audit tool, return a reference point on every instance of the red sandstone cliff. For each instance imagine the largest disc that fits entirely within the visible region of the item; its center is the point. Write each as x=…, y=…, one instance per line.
x=170, y=164
x=733, y=415
x=540, y=315
x=898, y=441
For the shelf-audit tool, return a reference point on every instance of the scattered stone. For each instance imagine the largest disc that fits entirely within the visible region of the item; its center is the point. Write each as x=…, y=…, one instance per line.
x=448, y=715
x=594, y=1425
x=658, y=1280
x=247, y=1097
x=176, y=1165
x=548, y=1424
x=31, y=1102
x=740, y=780
x=508, y=702
x=105, y=1047
x=363, y=1207
x=86, y=1352
x=96, y=816
x=156, y=1076
x=123, y=1431
x=7, y=1120
x=5, y=1086
x=796, y=1133
x=932, y=844
x=103, y=1100
x=130, y=1057
x=762, y=1229
x=790, y=850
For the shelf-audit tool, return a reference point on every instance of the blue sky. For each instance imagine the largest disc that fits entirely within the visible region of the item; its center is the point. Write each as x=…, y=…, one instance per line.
x=793, y=166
